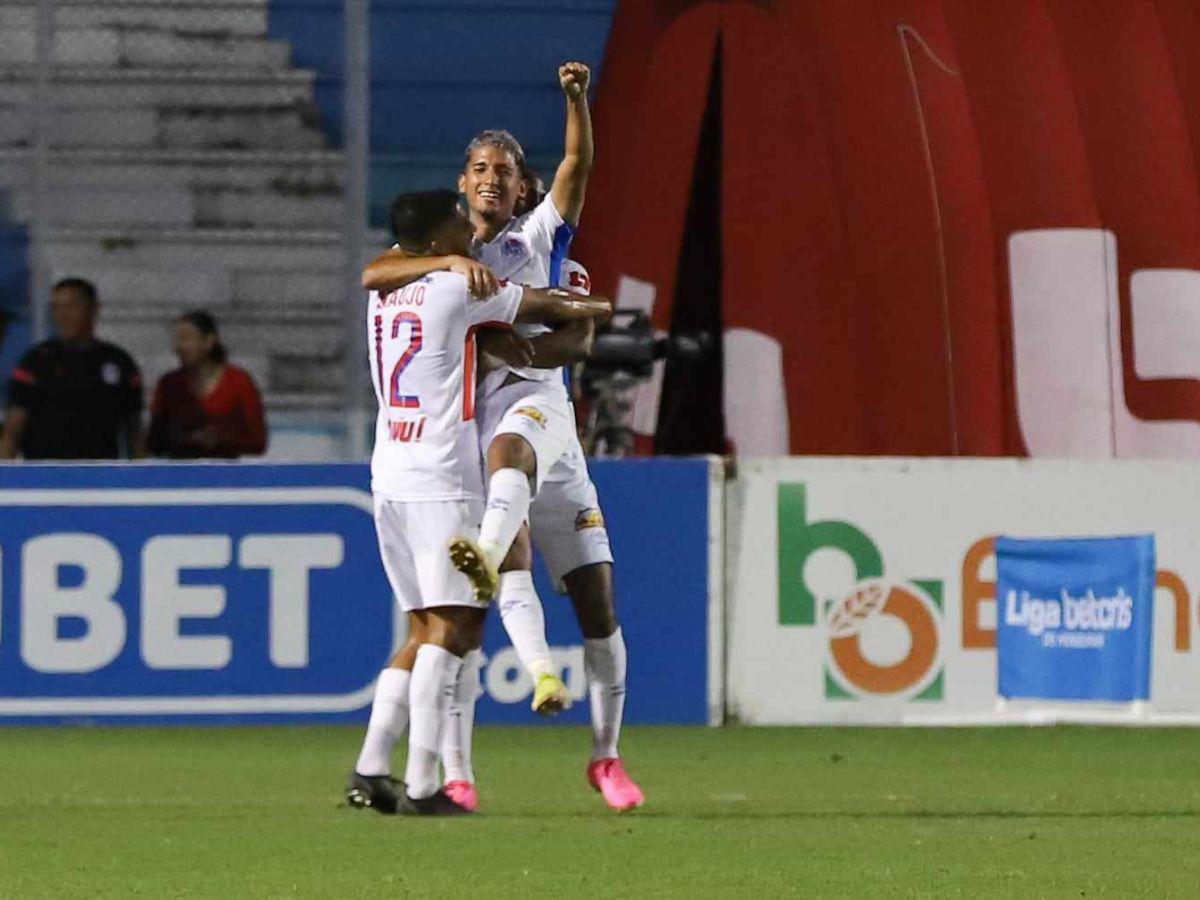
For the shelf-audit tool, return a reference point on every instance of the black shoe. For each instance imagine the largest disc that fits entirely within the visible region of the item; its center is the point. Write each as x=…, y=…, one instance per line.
x=381, y=793
x=437, y=804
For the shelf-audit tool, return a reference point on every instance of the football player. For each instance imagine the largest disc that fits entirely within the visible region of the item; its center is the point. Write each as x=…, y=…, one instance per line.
x=534, y=451
x=425, y=478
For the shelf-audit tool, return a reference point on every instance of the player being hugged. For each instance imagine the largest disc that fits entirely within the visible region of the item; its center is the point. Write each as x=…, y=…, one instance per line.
x=536, y=468
x=427, y=487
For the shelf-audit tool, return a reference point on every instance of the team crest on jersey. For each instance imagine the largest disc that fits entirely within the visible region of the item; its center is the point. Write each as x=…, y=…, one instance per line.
x=589, y=518
x=513, y=248
x=530, y=412
x=111, y=373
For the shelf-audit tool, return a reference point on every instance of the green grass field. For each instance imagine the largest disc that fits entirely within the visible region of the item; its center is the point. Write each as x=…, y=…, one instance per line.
x=254, y=812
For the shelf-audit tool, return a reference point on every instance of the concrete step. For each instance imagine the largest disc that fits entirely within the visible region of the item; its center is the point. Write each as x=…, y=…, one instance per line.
x=216, y=287
x=186, y=251
x=87, y=86
x=226, y=269
x=134, y=46
x=249, y=129
x=329, y=402
x=251, y=316
x=181, y=207
x=221, y=208
x=212, y=17
x=293, y=129
x=301, y=174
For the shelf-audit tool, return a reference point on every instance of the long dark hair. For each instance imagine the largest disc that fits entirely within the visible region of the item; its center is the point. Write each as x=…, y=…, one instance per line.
x=206, y=324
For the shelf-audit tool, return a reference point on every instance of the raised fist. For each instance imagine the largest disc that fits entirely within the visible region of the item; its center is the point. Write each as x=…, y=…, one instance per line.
x=573, y=78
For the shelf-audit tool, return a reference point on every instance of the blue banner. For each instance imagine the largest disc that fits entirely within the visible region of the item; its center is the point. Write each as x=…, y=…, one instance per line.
x=255, y=592
x=1075, y=618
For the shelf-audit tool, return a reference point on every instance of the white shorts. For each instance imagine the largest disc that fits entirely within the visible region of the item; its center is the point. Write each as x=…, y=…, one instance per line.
x=568, y=526
x=538, y=411
x=414, y=542
x=572, y=464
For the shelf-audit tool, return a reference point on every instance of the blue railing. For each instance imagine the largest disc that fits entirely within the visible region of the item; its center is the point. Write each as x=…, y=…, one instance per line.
x=14, y=300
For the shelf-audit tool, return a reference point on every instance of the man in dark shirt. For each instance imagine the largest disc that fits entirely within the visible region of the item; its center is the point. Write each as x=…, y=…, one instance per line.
x=74, y=397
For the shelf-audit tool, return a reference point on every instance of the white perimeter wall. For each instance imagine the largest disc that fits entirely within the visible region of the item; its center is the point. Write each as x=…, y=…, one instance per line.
x=925, y=524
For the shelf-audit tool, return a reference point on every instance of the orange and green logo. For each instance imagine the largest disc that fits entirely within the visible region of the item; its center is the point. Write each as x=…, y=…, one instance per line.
x=862, y=623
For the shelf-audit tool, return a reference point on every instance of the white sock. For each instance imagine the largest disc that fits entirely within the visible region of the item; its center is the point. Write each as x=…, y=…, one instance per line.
x=460, y=721
x=433, y=678
x=507, y=509
x=604, y=663
x=523, y=618
x=389, y=718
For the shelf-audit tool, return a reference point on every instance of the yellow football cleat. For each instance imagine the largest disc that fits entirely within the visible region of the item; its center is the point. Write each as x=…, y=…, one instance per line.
x=550, y=695
x=468, y=557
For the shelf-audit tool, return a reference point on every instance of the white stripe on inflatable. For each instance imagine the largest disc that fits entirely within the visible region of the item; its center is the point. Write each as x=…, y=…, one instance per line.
x=756, y=413
x=1061, y=281
x=1166, y=321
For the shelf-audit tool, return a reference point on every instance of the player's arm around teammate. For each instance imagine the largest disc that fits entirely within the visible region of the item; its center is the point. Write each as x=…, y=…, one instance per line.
x=394, y=269
x=566, y=345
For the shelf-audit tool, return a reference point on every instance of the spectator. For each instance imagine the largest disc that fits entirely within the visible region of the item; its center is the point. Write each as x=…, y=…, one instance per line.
x=206, y=407
x=73, y=396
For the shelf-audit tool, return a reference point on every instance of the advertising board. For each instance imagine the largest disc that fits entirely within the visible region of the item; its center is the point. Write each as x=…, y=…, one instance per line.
x=219, y=592
x=863, y=590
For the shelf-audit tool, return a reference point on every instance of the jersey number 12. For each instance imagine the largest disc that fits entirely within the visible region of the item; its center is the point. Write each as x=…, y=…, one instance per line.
x=395, y=398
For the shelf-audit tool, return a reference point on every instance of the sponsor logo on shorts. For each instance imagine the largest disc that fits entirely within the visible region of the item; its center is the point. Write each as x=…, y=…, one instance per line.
x=531, y=413
x=589, y=518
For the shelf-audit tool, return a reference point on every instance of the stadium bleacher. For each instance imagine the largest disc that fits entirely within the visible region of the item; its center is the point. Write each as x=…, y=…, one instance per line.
x=187, y=168
x=194, y=162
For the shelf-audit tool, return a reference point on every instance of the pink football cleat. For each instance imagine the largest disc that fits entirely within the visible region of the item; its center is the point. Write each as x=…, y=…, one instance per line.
x=463, y=793
x=609, y=777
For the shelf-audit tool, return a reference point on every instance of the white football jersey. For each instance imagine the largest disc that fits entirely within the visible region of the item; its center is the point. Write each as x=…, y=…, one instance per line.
x=531, y=250
x=573, y=277
x=420, y=344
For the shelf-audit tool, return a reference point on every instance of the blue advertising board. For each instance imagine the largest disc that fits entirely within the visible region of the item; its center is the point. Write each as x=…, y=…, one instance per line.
x=219, y=592
x=1075, y=618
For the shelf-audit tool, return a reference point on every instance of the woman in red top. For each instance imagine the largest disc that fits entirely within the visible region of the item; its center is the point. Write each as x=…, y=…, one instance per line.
x=206, y=407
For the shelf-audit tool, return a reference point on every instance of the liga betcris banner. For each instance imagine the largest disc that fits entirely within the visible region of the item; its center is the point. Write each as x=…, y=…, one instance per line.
x=864, y=590
x=1075, y=617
